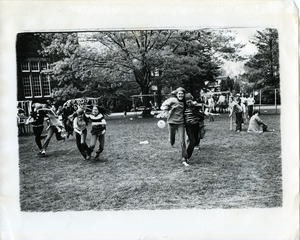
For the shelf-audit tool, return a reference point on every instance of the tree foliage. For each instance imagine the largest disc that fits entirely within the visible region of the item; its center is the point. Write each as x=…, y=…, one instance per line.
x=263, y=67
x=104, y=63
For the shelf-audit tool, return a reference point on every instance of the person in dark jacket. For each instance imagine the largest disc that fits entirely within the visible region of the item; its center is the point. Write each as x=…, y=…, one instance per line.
x=36, y=119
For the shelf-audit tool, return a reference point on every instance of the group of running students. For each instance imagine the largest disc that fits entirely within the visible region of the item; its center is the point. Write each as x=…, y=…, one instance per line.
x=184, y=117
x=73, y=120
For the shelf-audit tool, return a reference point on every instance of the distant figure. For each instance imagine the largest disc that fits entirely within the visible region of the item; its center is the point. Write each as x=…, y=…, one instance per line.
x=211, y=106
x=256, y=125
x=244, y=106
x=238, y=110
x=21, y=119
x=250, y=104
x=221, y=103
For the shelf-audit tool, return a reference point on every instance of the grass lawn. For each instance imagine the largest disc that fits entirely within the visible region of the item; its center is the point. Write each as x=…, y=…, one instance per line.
x=231, y=170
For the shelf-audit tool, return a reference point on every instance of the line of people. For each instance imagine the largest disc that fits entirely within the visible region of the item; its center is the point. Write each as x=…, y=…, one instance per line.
x=76, y=120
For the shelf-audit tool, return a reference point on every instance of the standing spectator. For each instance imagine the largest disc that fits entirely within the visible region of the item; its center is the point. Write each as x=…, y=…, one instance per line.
x=174, y=108
x=256, y=125
x=237, y=109
x=21, y=119
x=210, y=106
x=250, y=104
x=244, y=106
x=221, y=103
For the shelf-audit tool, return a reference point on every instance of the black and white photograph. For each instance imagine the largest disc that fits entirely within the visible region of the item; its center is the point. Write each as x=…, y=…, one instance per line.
x=166, y=131
x=149, y=119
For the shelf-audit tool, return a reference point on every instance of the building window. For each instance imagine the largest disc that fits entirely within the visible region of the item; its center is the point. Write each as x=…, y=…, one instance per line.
x=44, y=66
x=36, y=85
x=25, y=66
x=46, y=85
x=27, y=86
x=34, y=66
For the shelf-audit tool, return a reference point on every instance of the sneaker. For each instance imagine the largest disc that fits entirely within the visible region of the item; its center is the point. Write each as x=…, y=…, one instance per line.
x=97, y=156
x=43, y=152
x=185, y=163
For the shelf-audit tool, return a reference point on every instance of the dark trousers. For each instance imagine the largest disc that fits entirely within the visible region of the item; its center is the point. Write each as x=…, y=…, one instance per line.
x=192, y=131
x=68, y=124
x=238, y=121
x=37, y=133
x=81, y=144
x=250, y=110
x=51, y=131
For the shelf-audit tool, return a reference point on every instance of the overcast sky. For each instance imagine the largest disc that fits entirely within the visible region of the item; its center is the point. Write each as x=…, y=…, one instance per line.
x=243, y=36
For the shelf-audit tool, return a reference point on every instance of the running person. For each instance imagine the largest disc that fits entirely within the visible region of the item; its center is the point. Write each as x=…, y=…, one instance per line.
x=36, y=118
x=80, y=128
x=98, y=129
x=55, y=127
x=67, y=111
x=174, y=107
x=194, y=120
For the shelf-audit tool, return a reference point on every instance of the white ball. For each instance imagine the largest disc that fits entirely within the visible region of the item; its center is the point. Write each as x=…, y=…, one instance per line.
x=161, y=123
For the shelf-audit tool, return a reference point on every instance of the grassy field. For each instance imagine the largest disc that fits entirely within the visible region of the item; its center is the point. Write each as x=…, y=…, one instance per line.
x=231, y=170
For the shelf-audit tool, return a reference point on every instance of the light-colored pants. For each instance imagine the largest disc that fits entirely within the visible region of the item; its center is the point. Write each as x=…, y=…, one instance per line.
x=173, y=128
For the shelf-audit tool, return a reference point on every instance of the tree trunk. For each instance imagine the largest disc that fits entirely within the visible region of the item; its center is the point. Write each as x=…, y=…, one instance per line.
x=143, y=79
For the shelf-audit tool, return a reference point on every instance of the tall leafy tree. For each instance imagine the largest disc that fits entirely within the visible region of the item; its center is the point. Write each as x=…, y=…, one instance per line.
x=263, y=67
x=102, y=63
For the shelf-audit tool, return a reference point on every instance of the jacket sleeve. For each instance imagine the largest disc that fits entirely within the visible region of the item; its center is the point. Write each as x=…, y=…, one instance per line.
x=166, y=105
